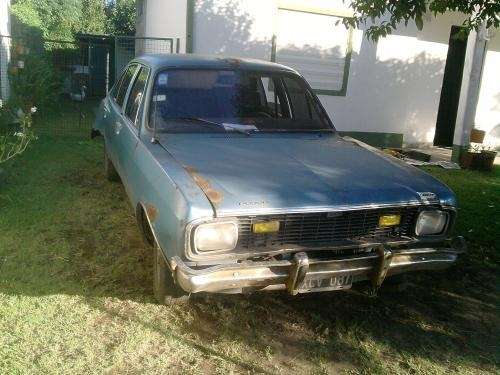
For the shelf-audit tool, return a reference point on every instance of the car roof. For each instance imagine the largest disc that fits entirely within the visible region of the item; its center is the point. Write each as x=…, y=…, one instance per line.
x=191, y=61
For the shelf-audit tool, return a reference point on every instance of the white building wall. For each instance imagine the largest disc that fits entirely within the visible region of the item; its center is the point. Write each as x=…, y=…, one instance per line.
x=394, y=86
x=4, y=17
x=234, y=27
x=488, y=108
x=163, y=19
x=4, y=47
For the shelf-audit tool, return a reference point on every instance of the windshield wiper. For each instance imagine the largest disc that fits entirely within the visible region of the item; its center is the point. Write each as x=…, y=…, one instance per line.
x=209, y=122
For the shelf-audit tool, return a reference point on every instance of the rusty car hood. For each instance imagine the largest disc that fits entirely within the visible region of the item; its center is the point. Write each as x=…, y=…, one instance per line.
x=273, y=173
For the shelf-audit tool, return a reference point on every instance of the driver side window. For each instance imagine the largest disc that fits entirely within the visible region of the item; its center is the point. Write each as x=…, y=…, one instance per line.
x=135, y=97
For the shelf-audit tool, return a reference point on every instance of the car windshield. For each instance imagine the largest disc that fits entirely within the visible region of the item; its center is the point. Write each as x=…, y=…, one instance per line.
x=234, y=100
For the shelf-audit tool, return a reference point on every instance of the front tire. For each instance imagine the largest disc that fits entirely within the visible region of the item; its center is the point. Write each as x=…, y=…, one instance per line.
x=396, y=283
x=164, y=286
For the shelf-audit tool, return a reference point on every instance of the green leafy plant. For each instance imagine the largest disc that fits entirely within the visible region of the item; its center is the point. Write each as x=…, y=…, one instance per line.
x=54, y=19
x=13, y=144
x=63, y=19
x=121, y=17
x=386, y=15
x=33, y=78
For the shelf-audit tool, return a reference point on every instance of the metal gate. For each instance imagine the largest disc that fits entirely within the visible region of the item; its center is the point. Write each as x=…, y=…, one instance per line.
x=65, y=80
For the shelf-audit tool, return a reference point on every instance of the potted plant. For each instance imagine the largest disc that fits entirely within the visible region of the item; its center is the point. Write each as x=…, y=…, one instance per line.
x=479, y=158
x=477, y=136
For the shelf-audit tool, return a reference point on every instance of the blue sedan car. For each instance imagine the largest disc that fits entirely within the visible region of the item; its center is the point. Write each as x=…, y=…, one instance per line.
x=240, y=183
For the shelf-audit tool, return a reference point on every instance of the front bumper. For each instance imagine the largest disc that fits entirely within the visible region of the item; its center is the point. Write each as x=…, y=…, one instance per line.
x=295, y=275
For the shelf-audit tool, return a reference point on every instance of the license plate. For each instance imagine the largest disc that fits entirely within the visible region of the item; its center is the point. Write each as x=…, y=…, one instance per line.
x=317, y=284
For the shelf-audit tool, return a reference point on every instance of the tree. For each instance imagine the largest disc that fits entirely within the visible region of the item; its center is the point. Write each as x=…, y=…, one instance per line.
x=62, y=19
x=58, y=19
x=121, y=17
x=478, y=12
x=54, y=19
x=93, y=18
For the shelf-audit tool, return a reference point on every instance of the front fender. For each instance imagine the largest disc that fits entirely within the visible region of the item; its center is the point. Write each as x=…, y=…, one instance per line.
x=159, y=186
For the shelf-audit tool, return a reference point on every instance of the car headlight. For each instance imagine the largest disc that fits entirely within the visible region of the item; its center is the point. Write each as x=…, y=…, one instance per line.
x=221, y=236
x=431, y=222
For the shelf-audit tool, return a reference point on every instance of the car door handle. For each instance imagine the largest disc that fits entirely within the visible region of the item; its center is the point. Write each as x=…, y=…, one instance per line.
x=118, y=127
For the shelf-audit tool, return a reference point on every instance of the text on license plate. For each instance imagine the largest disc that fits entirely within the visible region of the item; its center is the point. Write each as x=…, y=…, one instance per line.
x=326, y=283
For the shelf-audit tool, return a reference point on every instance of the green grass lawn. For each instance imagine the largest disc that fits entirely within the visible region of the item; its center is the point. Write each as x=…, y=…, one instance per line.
x=76, y=296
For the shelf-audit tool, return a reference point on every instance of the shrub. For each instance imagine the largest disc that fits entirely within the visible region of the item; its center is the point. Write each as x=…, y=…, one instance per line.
x=15, y=143
x=33, y=79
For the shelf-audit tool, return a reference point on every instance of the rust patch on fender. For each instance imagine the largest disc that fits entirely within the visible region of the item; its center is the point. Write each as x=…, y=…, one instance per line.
x=213, y=195
x=152, y=212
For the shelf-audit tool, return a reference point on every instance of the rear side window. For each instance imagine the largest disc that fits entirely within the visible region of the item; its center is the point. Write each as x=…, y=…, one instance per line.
x=301, y=100
x=114, y=89
x=135, y=98
x=274, y=97
x=124, y=84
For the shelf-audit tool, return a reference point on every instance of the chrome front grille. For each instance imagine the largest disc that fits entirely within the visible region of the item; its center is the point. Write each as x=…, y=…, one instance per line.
x=326, y=228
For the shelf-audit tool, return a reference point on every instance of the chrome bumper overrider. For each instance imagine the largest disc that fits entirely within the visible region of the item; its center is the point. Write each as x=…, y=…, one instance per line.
x=292, y=274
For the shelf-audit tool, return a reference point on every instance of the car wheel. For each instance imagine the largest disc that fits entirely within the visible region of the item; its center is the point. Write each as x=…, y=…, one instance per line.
x=109, y=168
x=396, y=283
x=164, y=287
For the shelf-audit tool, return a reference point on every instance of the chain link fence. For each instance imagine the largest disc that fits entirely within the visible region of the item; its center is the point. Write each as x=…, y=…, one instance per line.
x=126, y=48
x=65, y=80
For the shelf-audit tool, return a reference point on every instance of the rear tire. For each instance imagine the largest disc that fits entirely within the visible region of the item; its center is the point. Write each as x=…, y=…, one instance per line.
x=164, y=286
x=109, y=168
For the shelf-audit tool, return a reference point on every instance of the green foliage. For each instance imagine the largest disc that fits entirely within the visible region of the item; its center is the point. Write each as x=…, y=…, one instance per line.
x=14, y=144
x=54, y=19
x=93, y=19
x=121, y=17
x=33, y=79
x=62, y=19
x=478, y=12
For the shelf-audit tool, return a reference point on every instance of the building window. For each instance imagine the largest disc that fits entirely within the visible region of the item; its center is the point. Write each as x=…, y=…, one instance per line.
x=316, y=46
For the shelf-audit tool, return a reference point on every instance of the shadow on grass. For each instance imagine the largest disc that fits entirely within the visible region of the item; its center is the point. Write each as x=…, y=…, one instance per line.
x=84, y=242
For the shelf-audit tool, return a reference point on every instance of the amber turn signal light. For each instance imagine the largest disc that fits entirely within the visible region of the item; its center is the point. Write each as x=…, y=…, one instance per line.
x=389, y=220
x=266, y=227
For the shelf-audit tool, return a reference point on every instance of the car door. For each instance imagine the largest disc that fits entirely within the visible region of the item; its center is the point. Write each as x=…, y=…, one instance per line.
x=128, y=138
x=115, y=123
